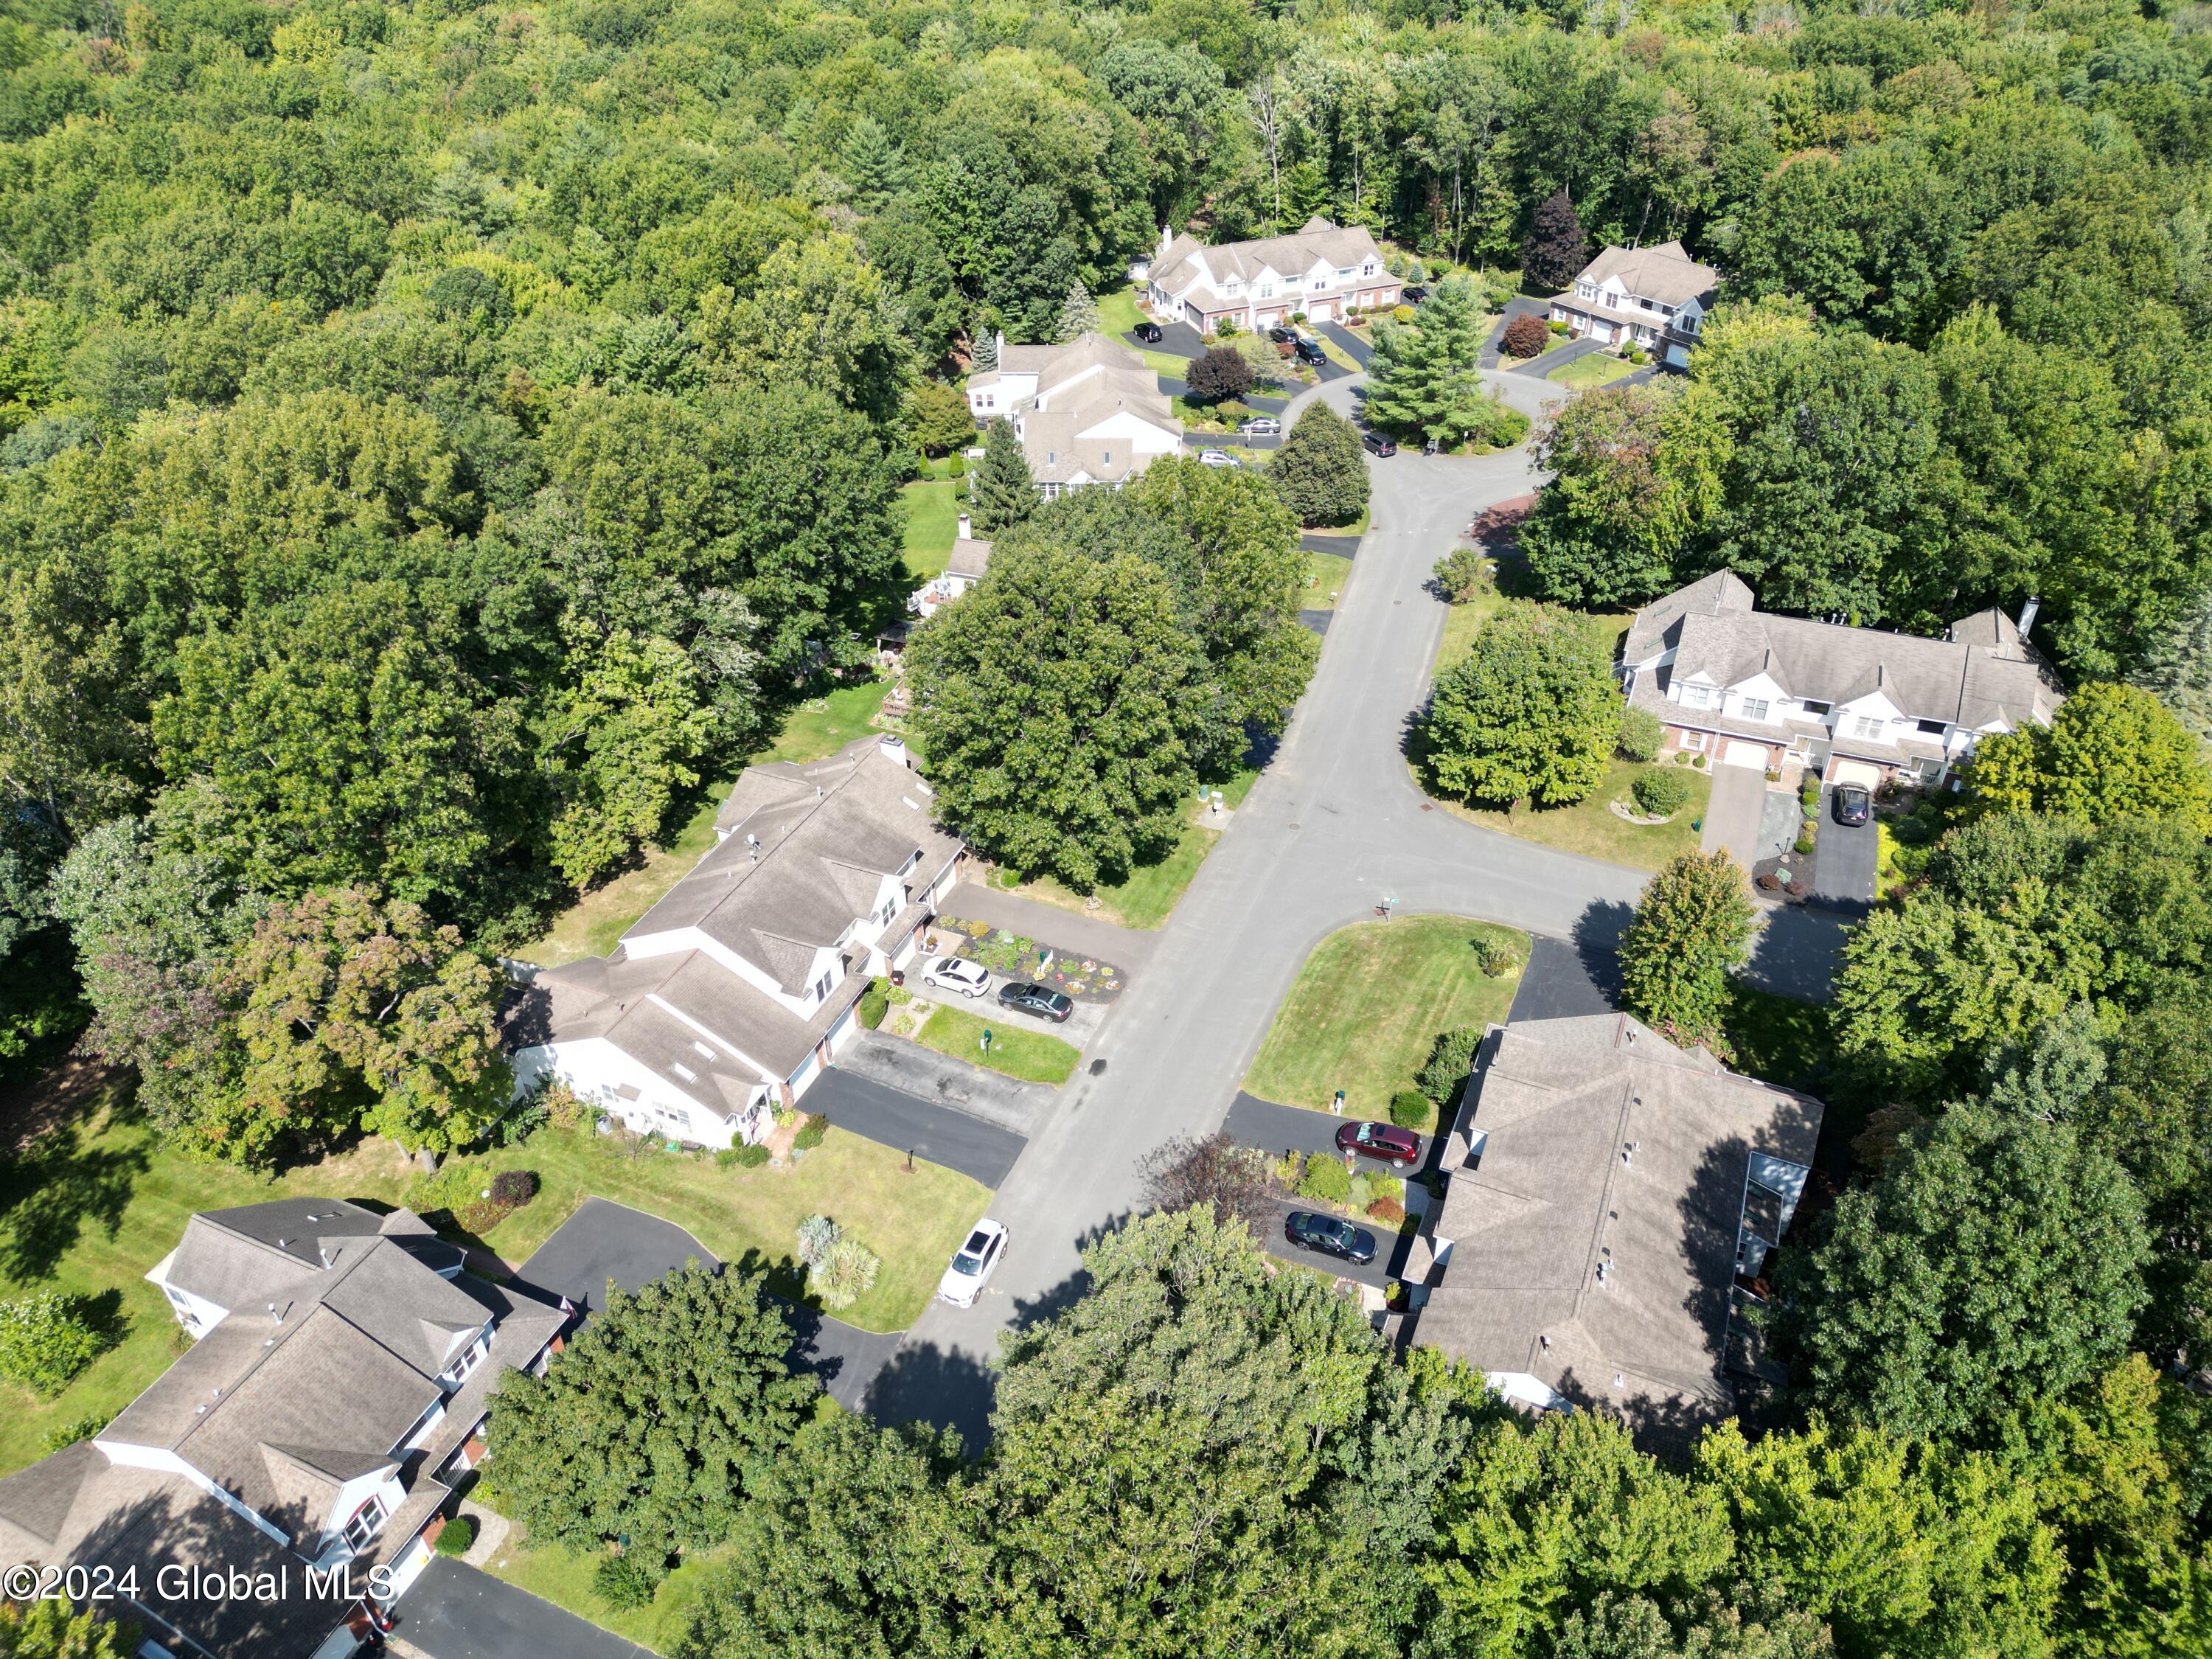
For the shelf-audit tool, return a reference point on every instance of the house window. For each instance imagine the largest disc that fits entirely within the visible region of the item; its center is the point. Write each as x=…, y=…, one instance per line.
x=1867, y=725
x=1266, y=290
x=471, y=1357
x=1812, y=708
x=682, y=1071
x=1367, y=269
x=1697, y=696
x=1692, y=740
x=1344, y=273
x=1930, y=728
x=1106, y=458
x=1587, y=290
x=821, y=985
x=366, y=1520
x=1754, y=709
x=1320, y=282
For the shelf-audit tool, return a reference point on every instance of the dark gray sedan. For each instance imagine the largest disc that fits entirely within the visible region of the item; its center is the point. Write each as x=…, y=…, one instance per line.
x=1038, y=1000
x=1329, y=1236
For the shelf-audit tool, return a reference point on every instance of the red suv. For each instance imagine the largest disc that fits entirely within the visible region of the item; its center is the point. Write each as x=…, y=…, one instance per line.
x=1383, y=1140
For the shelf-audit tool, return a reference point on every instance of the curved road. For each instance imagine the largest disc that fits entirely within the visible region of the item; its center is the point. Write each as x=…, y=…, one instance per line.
x=1333, y=826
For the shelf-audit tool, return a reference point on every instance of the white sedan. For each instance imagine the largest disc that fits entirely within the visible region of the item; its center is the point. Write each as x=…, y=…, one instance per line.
x=978, y=1259
x=958, y=975
x=1216, y=458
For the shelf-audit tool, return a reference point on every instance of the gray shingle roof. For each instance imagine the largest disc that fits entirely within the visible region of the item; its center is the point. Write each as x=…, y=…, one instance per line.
x=1664, y=272
x=1318, y=242
x=1983, y=675
x=1552, y=1200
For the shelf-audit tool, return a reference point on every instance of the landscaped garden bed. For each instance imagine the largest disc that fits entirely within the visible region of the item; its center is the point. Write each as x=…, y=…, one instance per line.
x=1016, y=955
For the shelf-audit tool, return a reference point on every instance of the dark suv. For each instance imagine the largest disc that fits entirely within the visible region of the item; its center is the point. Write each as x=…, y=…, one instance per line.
x=1039, y=1000
x=1329, y=1236
x=1378, y=445
x=1282, y=335
x=1310, y=351
x=1852, y=804
x=1148, y=332
x=1414, y=295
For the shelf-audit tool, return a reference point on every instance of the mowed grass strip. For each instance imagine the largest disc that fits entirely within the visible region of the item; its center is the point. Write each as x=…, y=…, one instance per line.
x=1368, y=1004
x=1018, y=1052
x=1591, y=827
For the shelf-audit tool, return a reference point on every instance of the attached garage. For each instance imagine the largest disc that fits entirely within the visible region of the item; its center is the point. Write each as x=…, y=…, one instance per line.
x=1740, y=753
x=1858, y=772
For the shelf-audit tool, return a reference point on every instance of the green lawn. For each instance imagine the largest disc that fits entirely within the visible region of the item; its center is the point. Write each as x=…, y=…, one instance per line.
x=1016, y=1051
x=1118, y=313
x=932, y=507
x=1148, y=897
x=1589, y=827
x=1326, y=575
x=589, y=927
x=1599, y=368
x=1165, y=362
x=564, y=1577
x=1368, y=1004
x=912, y=1220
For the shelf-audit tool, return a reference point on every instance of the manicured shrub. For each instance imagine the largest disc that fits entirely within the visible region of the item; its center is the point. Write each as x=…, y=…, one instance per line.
x=1449, y=1062
x=1661, y=794
x=1805, y=841
x=457, y=1535
x=1526, y=335
x=1388, y=1211
x=1770, y=883
x=1219, y=376
x=1326, y=1180
x=1643, y=734
x=1463, y=574
x=816, y=1235
x=1698, y=760
x=624, y=1582
x=846, y=1272
x=1233, y=411
x=1492, y=954
x=742, y=1157
x=811, y=1133
x=875, y=1003
x=1412, y=1109
x=512, y=1188
x=45, y=1340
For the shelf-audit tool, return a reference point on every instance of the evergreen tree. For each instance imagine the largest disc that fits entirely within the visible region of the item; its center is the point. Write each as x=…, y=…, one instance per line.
x=2178, y=670
x=871, y=163
x=1078, y=314
x=1557, y=248
x=1530, y=713
x=1002, y=493
x=1693, y=925
x=1423, y=381
x=984, y=358
x=1320, y=472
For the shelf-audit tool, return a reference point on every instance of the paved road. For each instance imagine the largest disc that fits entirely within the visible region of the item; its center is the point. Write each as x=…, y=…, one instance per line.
x=1333, y=826
x=1317, y=541
x=972, y=1090
x=454, y=1611
x=946, y=1133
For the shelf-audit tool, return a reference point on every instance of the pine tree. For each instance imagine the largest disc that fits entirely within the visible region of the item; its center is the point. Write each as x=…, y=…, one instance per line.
x=871, y=163
x=1003, y=493
x=1423, y=380
x=1319, y=473
x=1557, y=249
x=1078, y=314
x=983, y=359
x=1692, y=926
x=2179, y=669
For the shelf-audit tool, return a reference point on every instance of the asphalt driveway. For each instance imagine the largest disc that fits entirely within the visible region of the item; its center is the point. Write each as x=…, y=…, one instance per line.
x=1276, y=1128
x=1356, y=347
x=937, y=1128
x=1390, y=1250
x=454, y=1611
x=1177, y=339
x=1564, y=980
x=1843, y=863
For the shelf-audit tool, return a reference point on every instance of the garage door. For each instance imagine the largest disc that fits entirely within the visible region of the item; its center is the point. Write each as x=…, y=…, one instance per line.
x=1753, y=755
x=1858, y=772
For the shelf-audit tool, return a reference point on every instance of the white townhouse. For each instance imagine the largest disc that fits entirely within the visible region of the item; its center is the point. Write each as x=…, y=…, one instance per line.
x=1654, y=297
x=342, y=1367
x=969, y=558
x=730, y=996
x=1088, y=412
x=1856, y=704
x=1326, y=271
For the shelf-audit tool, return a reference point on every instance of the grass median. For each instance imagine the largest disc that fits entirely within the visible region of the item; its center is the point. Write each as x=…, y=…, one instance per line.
x=1015, y=1050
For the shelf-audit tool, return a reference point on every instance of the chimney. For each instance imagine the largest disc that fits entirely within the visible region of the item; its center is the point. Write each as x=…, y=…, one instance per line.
x=1002, y=349
x=2027, y=615
x=967, y=528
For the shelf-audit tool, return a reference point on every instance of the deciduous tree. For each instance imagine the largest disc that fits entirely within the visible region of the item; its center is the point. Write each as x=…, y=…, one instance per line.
x=1557, y=248
x=1320, y=472
x=1530, y=713
x=1693, y=927
x=2111, y=751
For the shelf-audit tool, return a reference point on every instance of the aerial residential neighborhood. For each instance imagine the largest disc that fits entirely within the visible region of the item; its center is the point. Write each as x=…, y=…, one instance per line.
x=1104, y=830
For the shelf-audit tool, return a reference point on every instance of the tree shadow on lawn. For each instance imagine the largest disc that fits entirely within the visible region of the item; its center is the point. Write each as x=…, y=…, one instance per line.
x=51, y=1192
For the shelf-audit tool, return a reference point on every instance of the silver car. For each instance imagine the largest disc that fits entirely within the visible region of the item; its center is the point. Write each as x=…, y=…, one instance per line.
x=1261, y=426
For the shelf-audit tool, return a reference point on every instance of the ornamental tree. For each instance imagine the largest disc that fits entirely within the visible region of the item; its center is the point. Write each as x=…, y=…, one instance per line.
x=1319, y=473
x=1996, y=1262
x=1557, y=248
x=1692, y=926
x=1530, y=713
x=1078, y=314
x=653, y=1423
x=1216, y=1173
x=1220, y=374
x=1526, y=335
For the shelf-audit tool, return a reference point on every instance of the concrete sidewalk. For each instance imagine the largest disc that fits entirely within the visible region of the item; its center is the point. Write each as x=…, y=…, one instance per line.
x=1064, y=930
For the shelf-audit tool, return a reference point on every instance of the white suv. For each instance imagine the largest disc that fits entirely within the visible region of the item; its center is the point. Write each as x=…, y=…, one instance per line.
x=958, y=975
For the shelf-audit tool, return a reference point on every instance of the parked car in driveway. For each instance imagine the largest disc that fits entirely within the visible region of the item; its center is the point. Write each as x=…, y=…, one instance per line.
x=1852, y=804
x=1148, y=332
x=1384, y=1140
x=1282, y=335
x=1039, y=1000
x=1216, y=458
x=1414, y=295
x=1378, y=445
x=1329, y=1236
x=958, y=975
x=1310, y=351
x=973, y=1265
x=1261, y=426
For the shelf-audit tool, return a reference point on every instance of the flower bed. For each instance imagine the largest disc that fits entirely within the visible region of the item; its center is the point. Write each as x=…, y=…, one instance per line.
x=1016, y=955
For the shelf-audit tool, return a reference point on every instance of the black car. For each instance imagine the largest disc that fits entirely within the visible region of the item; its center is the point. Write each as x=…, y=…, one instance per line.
x=1329, y=1237
x=1852, y=804
x=1414, y=295
x=1310, y=351
x=1148, y=332
x=1283, y=335
x=1378, y=445
x=1039, y=1000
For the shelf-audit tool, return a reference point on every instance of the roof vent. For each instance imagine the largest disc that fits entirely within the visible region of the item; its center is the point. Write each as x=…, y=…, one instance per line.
x=1618, y=1380
x=325, y=1254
